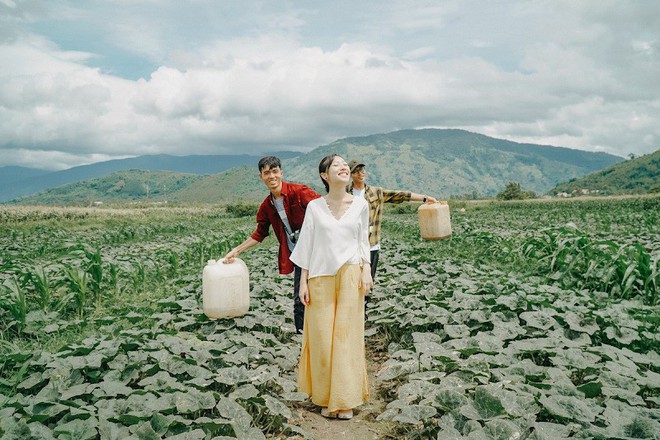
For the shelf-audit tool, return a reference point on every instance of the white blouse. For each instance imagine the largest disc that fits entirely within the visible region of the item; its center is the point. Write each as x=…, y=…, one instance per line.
x=326, y=244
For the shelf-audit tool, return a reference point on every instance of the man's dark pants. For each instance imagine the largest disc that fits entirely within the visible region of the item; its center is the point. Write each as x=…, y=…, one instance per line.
x=374, y=262
x=298, y=306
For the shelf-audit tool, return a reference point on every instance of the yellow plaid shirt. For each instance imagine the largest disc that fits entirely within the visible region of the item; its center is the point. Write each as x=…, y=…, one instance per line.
x=376, y=196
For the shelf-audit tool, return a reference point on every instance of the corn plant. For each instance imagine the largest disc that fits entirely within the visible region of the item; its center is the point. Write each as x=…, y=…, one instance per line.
x=172, y=259
x=569, y=255
x=652, y=281
x=90, y=260
x=113, y=273
x=43, y=286
x=138, y=276
x=94, y=266
x=78, y=281
x=14, y=300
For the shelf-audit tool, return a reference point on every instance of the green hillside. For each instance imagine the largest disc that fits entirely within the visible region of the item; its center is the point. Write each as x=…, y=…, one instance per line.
x=122, y=186
x=636, y=176
x=235, y=185
x=453, y=162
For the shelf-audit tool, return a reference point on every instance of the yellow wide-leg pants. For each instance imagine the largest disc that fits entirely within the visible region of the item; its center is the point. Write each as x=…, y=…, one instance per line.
x=333, y=367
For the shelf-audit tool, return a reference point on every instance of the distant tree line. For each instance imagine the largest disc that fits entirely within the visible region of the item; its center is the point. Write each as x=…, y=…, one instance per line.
x=513, y=191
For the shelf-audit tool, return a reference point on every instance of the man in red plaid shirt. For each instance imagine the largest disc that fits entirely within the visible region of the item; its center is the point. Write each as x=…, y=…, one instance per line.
x=284, y=210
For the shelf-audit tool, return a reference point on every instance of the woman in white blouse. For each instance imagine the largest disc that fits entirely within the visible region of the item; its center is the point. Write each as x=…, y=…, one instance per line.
x=333, y=252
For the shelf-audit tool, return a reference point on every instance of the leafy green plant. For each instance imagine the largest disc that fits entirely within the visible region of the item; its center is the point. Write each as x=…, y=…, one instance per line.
x=571, y=257
x=94, y=265
x=518, y=327
x=43, y=286
x=78, y=282
x=138, y=276
x=14, y=300
x=242, y=209
x=113, y=274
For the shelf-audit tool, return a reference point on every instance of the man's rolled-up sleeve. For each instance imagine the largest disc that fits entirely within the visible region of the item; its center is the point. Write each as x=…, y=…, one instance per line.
x=263, y=225
x=390, y=196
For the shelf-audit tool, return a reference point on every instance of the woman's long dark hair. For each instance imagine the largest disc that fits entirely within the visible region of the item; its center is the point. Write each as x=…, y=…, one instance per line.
x=323, y=168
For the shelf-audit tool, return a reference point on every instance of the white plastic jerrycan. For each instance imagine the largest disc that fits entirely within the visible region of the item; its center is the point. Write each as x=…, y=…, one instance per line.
x=225, y=289
x=434, y=222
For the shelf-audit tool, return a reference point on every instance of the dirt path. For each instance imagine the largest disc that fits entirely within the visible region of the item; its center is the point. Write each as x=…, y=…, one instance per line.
x=363, y=425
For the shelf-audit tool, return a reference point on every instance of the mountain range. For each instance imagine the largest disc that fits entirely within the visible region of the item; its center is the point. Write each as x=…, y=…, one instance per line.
x=439, y=162
x=446, y=163
x=20, y=181
x=13, y=174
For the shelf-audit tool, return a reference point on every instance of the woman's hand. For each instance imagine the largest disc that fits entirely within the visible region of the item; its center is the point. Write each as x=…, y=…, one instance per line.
x=303, y=293
x=365, y=279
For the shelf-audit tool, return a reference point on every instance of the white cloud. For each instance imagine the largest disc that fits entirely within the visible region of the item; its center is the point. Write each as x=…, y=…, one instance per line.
x=419, y=53
x=132, y=35
x=9, y=3
x=412, y=15
x=575, y=81
x=481, y=44
x=51, y=159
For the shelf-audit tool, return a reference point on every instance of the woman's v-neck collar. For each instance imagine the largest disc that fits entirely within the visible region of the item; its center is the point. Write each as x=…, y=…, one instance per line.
x=327, y=207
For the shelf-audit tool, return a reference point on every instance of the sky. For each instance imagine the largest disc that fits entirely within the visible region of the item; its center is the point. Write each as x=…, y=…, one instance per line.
x=94, y=80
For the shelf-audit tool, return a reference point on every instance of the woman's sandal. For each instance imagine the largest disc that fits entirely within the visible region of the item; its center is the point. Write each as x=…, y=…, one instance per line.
x=327, y=414
x=345, y=415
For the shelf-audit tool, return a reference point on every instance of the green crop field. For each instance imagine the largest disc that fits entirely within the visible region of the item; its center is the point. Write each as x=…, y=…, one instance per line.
x=536, y=320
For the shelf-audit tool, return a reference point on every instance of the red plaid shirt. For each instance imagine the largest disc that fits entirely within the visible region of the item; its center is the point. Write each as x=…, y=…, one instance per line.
x=296, y=197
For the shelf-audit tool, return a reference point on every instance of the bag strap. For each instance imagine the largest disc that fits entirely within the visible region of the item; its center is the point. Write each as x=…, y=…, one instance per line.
x=285, y=220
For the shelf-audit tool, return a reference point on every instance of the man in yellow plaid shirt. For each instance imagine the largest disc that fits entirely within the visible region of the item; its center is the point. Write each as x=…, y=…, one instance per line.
x=376, y=197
